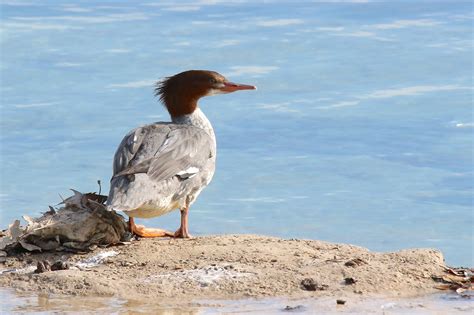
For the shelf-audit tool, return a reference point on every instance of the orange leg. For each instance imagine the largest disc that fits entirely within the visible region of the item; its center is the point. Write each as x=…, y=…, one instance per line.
x=183, y=231
x=142, y=231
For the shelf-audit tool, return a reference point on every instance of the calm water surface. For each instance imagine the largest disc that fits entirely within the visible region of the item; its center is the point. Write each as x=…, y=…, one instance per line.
x=361, y=130
x=44, y=304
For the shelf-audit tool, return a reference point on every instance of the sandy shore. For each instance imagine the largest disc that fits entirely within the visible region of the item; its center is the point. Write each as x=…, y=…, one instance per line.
x=228, y=267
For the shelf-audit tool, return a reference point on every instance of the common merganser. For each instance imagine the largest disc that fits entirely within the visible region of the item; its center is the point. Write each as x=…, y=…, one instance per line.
x=165, y=165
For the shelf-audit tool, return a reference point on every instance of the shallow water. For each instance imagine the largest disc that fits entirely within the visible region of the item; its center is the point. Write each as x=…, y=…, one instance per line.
x=46, y=304
x=361, y=130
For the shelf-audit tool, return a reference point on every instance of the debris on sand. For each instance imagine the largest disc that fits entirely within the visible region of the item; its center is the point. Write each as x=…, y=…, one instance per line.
x=309, y=284
x=60, y=265
x=296, y=309
x=42, y=266
x=460, y=280
x=349, y=281
x=96, y=260
x=82, y=223
x=355, y=262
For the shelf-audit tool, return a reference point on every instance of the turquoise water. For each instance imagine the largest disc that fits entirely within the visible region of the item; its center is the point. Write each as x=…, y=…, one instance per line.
x=361, y=130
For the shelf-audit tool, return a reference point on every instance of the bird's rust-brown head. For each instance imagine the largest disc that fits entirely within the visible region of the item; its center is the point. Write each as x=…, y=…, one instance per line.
x=181, y=92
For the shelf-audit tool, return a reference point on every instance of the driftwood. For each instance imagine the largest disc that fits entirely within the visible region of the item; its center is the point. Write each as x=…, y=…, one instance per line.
x=456, y=279
x=82, y=223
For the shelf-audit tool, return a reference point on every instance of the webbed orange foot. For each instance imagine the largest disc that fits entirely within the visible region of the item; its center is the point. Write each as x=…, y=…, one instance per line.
x=142, y=231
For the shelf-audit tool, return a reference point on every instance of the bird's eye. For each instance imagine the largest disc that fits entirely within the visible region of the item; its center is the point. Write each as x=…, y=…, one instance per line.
x=213, y=81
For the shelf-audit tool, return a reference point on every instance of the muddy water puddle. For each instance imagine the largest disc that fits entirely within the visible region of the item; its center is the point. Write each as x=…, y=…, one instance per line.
x=29, y=303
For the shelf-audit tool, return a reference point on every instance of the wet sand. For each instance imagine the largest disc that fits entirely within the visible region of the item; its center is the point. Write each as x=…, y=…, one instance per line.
x=38, y=303
x=229, y=267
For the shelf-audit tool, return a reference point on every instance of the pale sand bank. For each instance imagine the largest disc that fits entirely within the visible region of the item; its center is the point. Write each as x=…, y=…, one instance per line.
x=229, y=267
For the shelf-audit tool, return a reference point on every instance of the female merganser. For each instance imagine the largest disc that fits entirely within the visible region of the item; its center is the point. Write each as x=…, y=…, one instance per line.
x=165, y=165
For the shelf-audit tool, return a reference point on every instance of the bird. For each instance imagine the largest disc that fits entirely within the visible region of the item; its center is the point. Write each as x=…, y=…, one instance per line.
x=164, y=166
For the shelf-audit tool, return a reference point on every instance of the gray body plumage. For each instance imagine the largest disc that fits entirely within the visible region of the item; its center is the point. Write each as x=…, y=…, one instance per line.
x=163, y=166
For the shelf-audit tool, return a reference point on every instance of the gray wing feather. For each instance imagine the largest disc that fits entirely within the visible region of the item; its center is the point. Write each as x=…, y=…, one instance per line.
x=162, y=152
x=128, y=148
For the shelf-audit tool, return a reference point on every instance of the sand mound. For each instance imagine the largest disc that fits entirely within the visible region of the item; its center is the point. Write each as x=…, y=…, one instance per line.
x=228, y=266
